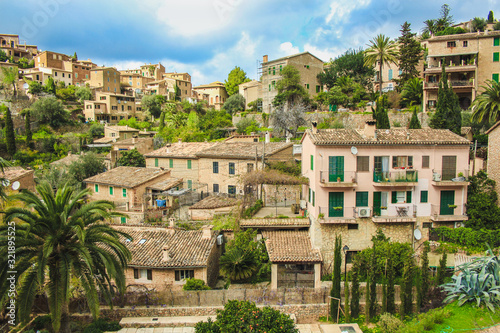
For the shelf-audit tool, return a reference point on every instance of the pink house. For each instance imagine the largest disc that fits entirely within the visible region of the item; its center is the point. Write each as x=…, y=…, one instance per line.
x=397, y=180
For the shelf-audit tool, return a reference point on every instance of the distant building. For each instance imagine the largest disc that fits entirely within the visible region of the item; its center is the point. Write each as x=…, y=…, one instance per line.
x=105, y=79
x=250, y=91
x=111, y=108
x=25, y=178
x=10, y=44
x=216, y=93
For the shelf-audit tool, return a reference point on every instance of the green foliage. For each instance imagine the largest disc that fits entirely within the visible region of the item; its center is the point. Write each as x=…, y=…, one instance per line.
x=83, y=94
x=407, y=288
x=235, y=77
x=391, y=292
x=247, y=125
x=382, y=118
x=470, y=238
x=50, y=111
x=425, y=276
x=234, y=103
x=355, y=291
x=350, y=64
x=225, y=221
x=346, y=298
x=9, y=77
x=66, y=93
x=3, y=56
x=479, y=24
x=102, y=325
x=162, y=121
x=195, y=284
x=288, y=120
x=346, y=92
x=482, y=203
x=290, y=88
x=337, y=277
x=50, y=86
x=441, y=270
x=491, y=17
x=372, y=286
x=96, y=130
x=451, y=31
x=27, y=126
x=256, y=105
x=244, y=316
x=132, y=122
x=412, y=92
x=410, y=53
x=86, y=166
x=414, y=122
x=10, y=136
x=448, y=111
x=131, y=158
x=389, y=323
x=25, y=63
x=496, y=26
x=35, y=88
x=486, y=106
x=252, y=210
x=153, y=104
x=288, y=167
x=426, y=322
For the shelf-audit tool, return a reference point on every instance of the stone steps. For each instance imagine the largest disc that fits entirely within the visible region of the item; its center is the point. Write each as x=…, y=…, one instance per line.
x=159, y=322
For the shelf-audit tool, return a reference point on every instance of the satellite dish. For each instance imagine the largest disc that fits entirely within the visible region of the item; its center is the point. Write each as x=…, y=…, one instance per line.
x=417, y=234
x=16, y=185
x=354, y=150
x=5, y=182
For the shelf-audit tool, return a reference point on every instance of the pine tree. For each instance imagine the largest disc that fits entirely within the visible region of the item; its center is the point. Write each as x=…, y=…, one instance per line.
x=337, y=276
x=27, y=125
x=414, y=122
x=346, y=299
x=50, y=86
x=10, y=136
x=425, y=274
x=410, y=53
x=391, y=302
x=355, y=291
x=441, y=271
x=448, y=112
x=407, y=288
x=373, y=284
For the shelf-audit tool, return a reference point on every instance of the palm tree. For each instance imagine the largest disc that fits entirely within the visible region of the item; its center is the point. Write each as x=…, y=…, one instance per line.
x=9, y=77
x=430, y=27
x=486, y=106
x=381, y=50
x=58, y=239
x=238, y=264
x=412, y=92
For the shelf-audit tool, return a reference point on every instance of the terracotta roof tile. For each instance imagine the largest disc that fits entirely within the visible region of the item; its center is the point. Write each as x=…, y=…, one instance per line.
x=125, y=176
x=244, y=150
x=425, y=136
x=214, y=201
x=181, y=149
x=14, y=173
x=290, y=246
x=166, y=184
x=186, y=248
x=278, y=223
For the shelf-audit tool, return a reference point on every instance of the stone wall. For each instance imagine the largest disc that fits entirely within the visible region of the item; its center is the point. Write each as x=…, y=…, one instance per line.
x=273, y=194
x=493, y=163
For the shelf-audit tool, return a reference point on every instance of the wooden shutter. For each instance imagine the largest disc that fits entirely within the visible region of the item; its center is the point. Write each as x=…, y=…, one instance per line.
x=136, y=273
x=150, y=274
x=410, y=161
x=394, y=197
x=394, y=161
x=408, y=196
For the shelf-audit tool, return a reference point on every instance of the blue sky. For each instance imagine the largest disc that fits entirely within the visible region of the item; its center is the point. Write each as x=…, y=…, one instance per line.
x=207, y=38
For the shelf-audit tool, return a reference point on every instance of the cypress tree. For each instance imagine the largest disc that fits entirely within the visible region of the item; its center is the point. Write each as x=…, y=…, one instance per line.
x=491, y=17
x=418, y=283
x=383, y=120
x=50, y=86
x=367, y=299
x=162, y=120
x=373, y=284
x=441, y=271
x=10, y=137
x=425, y=274
x=27, y=126
x=355, y=291
x=346, y=297
x=414, y=122
x=391, y=303
x=407, y=289
x=336, y=278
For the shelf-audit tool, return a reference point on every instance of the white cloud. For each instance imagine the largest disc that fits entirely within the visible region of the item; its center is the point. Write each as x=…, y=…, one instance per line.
x=340, y=10
x=287, y=49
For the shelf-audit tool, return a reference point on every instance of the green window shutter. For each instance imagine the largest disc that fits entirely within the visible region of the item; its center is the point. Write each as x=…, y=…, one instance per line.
x=190, y=184
x=496, y=41
x=361, y=199
x=123, y=220
x=96, y=188
x=496, y=57
x=394, y=197
x=269, y=87
x=314, y=198
x=124, y=192
x=171, y=163
x=189, y=164
x=309, y=195
x=312, y=163
x=494, y=77
x=424, y=196
x=156, y=162
x=318, y=88
x=111, y=190
x=377, y=203
x=408, y=196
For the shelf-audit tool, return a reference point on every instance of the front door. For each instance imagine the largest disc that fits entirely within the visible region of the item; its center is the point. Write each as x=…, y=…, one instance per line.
x=335, y=168
x=447, y=200
x=336, y=204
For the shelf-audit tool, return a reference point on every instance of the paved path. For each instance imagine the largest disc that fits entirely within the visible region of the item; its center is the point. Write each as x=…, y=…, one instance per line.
x=303, y=328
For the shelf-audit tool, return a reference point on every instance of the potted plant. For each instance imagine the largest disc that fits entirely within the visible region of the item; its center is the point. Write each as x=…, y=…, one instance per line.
x=321, y=216
x=337, y=208
x=338, y=179
x=452, y=206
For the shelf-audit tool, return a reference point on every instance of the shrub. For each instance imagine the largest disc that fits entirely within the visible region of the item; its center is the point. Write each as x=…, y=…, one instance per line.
x=251, y=211
x=195, y=284
x=102, y=325
x=389, y=323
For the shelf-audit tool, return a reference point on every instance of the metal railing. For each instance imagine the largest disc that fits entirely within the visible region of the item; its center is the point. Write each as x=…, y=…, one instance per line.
x=403, y=176
x=328, y=213
x=449, y=175
x=448, y=210
x=341, y=177
x=396, y=210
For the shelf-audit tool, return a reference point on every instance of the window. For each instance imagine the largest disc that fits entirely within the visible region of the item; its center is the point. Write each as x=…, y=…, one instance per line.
x=216, y=188
x=401, y=197
x=353, y=226
x=215, y=167
x=451, y=44
x=124, y=192
x=249, y=167
x=269, y=87
x=318, y=88
x=156, y=162
x=111, y=190
x=114, y=107
x=310, y=195
x=231, y=189
x=189, y=164
x=143, y=274
x=171, y=163
x=496, y=41
x=123, y=220
x=449, y=167
x=307, y=86
x=363, y=163
x=55, y=73
x=494, y=77
x=184, y=274
x=402, y=161
x=466, y=43
x=274, y=70
x=96, y=188
x=312, y=162
x=190, y=184
x=425, y=162
x=424, y=196
x=496, y=57
x=231, y=169
x=390, y=74
x=361, y=199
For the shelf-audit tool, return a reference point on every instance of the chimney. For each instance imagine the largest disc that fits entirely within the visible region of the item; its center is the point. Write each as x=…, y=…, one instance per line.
x=314, y=127
x=265, y=58
x=70, y=153
x=370, y=128
x=268, y=137
x=134, y=140
x=166, y=254
x=171, y=222
x=206, y=232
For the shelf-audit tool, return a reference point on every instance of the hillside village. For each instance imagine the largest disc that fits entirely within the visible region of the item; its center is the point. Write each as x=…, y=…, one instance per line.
x=375, y=171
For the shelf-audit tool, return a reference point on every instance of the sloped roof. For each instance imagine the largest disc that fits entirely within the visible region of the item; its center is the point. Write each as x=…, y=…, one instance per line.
x=14, y=173
x=186, y=248
x=181, y=149
x=216, y=84
x=125, y=176
x=166, y=184
x=67, y=160
x=245, y=150
x=214, y=201
x=493, y=127
x=293, y=56
x=290, y=246
x=122, y=128
x=400, y=136
x=274, y=223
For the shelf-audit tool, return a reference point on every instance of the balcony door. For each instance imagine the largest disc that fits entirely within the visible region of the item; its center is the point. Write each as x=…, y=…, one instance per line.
x=336, y=204
x=447, y=200
x=335, y=168
x=380, y=201
x=381, y=168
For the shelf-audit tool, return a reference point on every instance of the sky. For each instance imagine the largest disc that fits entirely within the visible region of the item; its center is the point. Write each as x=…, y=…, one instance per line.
x=208, y=38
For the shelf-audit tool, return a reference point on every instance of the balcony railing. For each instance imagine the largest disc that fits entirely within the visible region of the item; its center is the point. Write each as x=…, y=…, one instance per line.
x=453, y=83
x=395, y=177
x=336, y=213
x=396, y=210
x=332, y=178
x=448, y=212
x=451, y=176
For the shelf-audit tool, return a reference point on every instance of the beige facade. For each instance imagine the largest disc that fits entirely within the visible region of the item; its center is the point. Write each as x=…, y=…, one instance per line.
x=154, y=71
x=143, y=146
x=111, y=108
x=471, y=59
x=493, y=162
x=134, y=81
x=308, y=65
x=250, y=91
x=12, y=47
x=216, y=93
x=25, y=178
x=52, y=62
x=105, y=79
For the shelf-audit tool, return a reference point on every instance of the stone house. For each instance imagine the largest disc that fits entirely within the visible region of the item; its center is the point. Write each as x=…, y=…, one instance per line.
x=9, y=43
x=398, y=180
x=211, y=206
x=163, y=258
x=143, y=146
x=250, y=91
x=111, y=108
x=105, y=79
x=25, y=178
x=216, y=91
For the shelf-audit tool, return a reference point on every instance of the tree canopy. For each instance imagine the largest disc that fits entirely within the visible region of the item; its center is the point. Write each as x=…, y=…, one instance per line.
x=382, y=51
x=482, y=203
x=235, y=77
x=290, y=88
x=234, y=103
x=486, y=106
x=131, y=158
x=410, y=53
x=50, y=111
x=153, y=104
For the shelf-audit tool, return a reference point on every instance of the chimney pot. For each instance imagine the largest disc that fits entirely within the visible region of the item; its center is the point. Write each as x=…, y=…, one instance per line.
x=265, y=58
x=314, y=127
x=370, y=129
x=166, y=254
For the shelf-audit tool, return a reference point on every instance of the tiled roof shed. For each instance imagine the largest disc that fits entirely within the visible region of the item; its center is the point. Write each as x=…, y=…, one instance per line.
x=274, y=223
x=181, y=149
x=290, y=247
x=125, y=176
x=244, y=150
x=214, y=201
x=186, y=248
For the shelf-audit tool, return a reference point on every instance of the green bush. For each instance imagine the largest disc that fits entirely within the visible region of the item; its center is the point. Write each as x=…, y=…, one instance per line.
x=102, y=325
x=251, y=211
x=473, y=239
x=389, y=323
x=195, y=284
x=426, y=321
x=42, y=322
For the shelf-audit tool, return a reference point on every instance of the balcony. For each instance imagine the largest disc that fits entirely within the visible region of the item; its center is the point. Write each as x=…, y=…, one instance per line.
x=450, y=178
x=395, y=178
x=395, y=213
x=337, y=215
x=448, y=213
x=342, y=179
x=453, y=83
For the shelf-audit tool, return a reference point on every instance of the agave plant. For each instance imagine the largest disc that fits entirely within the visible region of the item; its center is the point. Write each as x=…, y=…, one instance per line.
x=477, y=281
